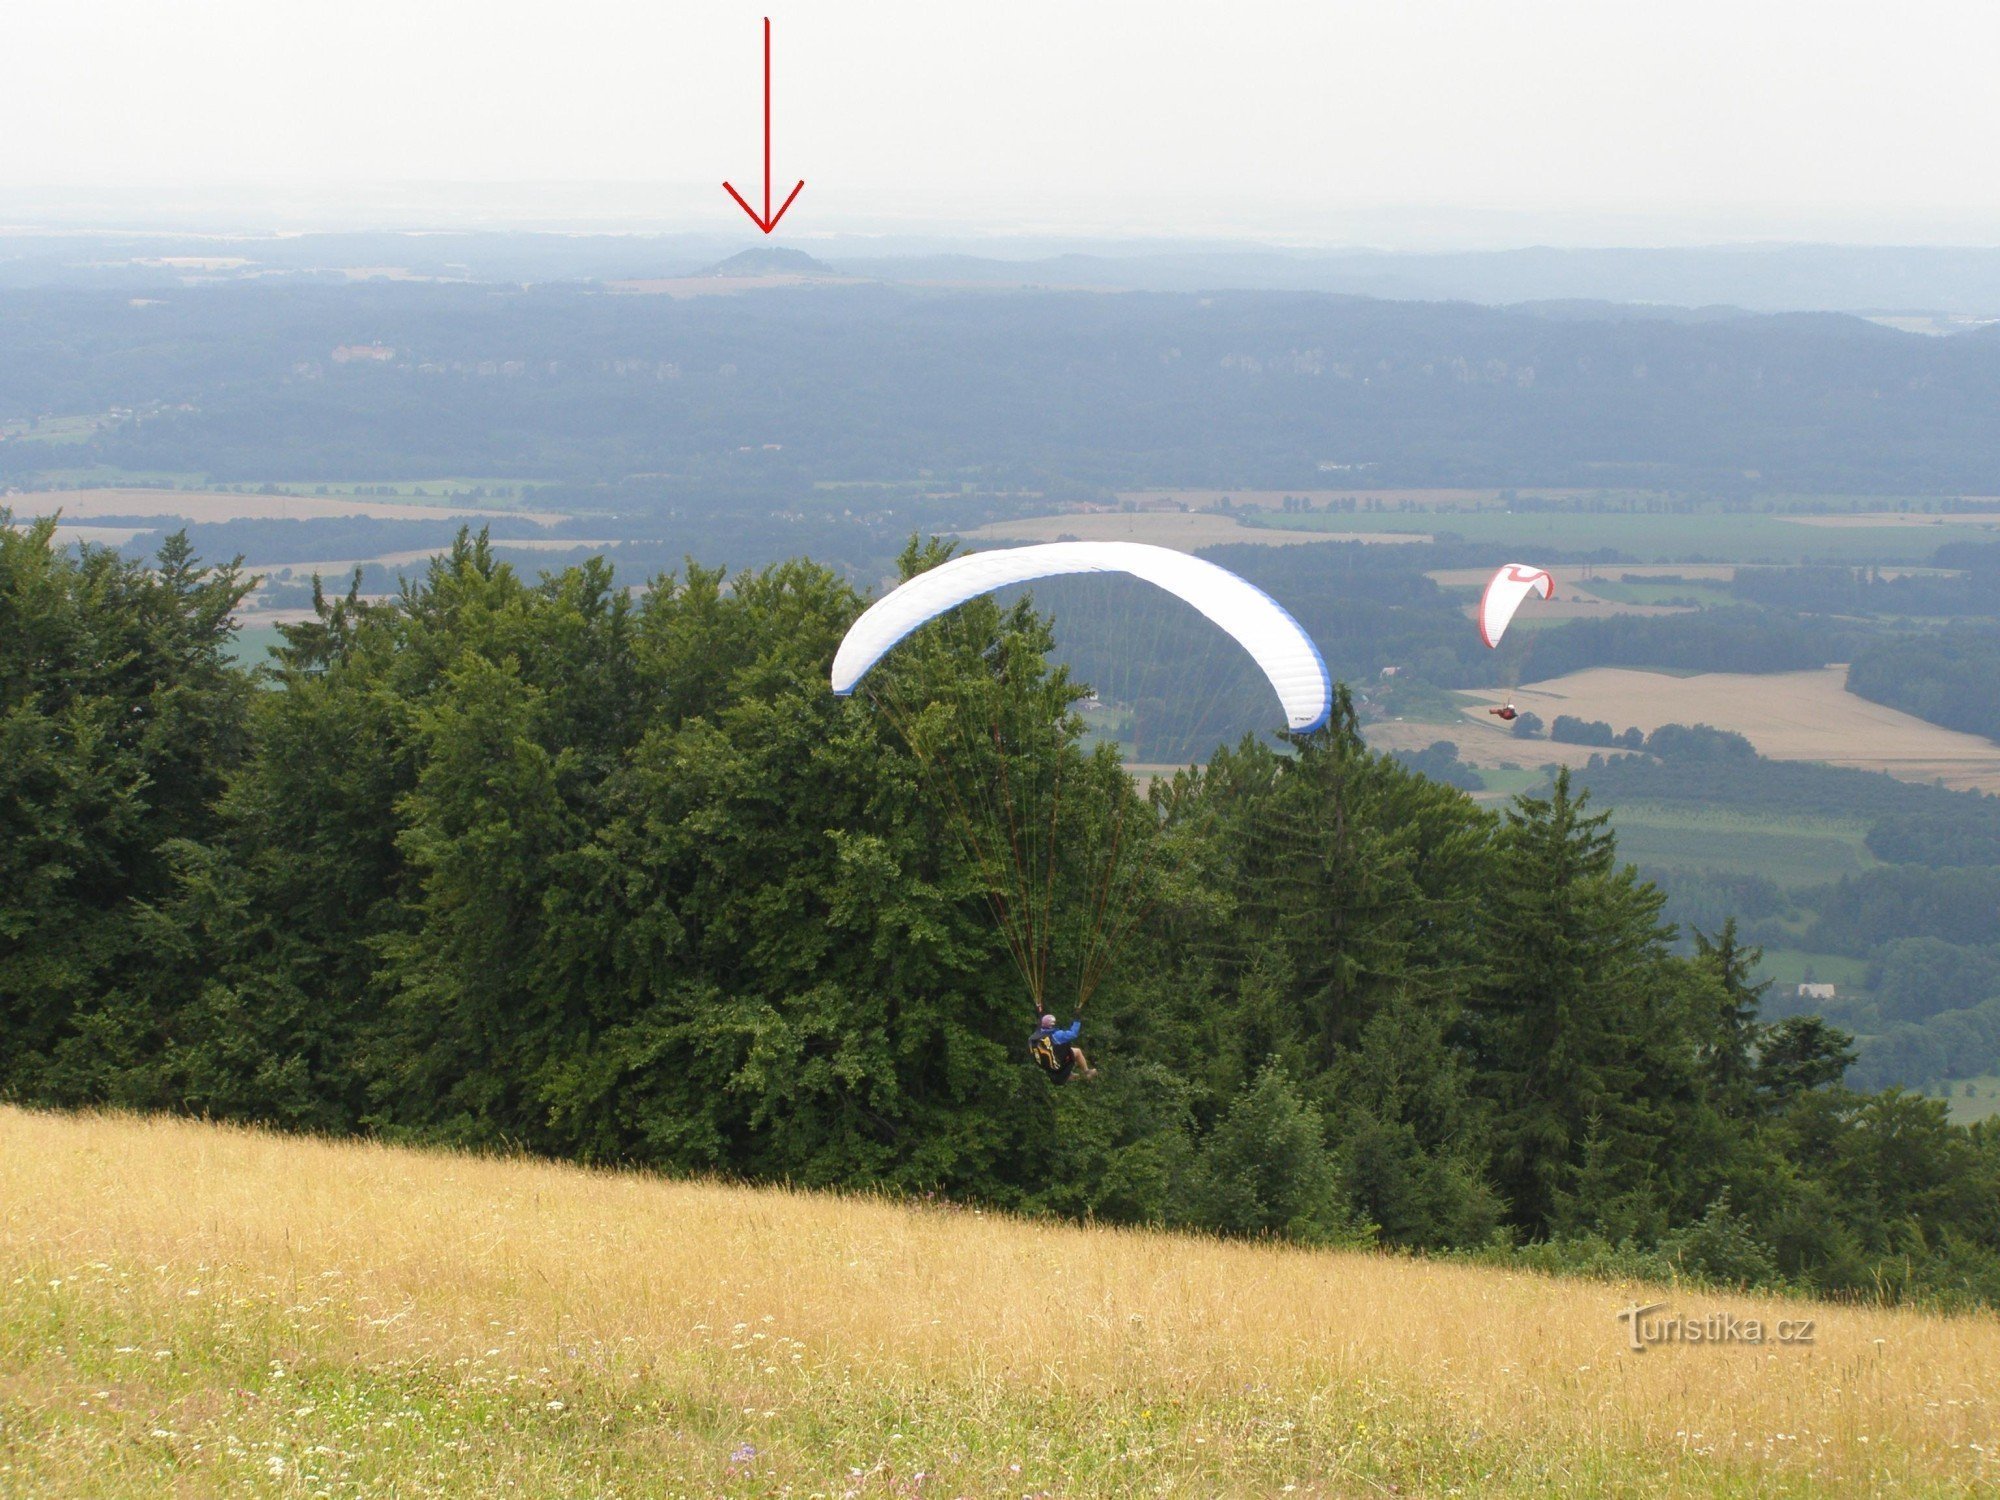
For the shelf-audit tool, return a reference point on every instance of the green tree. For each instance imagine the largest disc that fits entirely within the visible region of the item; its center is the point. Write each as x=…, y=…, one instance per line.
x=1580, y=1024
x=121, y=716
x=1735, y=999
x=1265, y=1168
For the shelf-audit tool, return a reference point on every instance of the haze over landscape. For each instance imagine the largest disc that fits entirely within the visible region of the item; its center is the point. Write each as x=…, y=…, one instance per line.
x=480, y=1011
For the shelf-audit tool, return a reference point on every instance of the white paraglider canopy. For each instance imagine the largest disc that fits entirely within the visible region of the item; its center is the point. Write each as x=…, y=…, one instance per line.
x=1284, y=652
x=1505, y=593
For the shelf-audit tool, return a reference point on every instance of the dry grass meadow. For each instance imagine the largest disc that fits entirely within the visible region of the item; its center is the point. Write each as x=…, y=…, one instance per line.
x=191, y=1310
x=1786, y=715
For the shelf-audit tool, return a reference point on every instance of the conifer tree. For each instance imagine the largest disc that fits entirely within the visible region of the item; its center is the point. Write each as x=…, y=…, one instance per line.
x=1576, y=1019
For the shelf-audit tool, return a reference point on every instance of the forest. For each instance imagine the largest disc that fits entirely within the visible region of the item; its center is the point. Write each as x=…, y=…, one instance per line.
x=541, y=866
x=1063, y=392
x=1946, y=677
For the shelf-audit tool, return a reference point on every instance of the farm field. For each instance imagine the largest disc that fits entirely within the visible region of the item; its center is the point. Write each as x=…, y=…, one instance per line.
x=1983, y=520
x=255, y=635
x=1971, y=1099
x=424, y=491
x=1503, y=784
x=1789, y=851
x=1438, y=499
x=1187, y=530
x=1794, y=966
x=219, y=505
x=193, y=1309
x=1648, y=537
x=1602, y=578
x=330, y=567
x=1679, y=592
x=1593, y=576
x=1591, y=602
x=1488, y=749
x=1786, y=715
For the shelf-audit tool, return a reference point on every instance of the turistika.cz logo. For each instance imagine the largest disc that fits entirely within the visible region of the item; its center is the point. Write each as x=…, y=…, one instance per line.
x=1651, y=1325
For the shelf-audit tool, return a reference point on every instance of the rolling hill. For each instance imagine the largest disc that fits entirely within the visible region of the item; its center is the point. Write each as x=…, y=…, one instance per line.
x=201, y=1310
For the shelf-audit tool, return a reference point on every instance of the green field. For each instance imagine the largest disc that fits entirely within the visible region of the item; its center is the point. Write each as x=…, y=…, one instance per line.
x=1703, y=536
x=1971, y=1099
x=1702, y=594
x=57, y=431
x=1790, y=851
x=251, y=643
x=417, y=490
x=1787, y=968
x=1504, y=784
x=106, y=476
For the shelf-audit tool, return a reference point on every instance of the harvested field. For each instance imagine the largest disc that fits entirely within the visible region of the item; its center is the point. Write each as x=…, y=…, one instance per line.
x=1482, y=741
x=1786, y=715
x=1189, y=531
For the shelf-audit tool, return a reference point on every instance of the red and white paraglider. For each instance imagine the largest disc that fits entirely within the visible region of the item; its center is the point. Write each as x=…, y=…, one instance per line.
x=1505, y=593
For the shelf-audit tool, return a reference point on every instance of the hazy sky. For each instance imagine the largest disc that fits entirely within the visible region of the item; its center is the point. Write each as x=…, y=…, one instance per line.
x=1414, y=121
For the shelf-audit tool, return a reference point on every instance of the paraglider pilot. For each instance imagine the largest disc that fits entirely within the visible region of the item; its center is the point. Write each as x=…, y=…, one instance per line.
x=1057, y=1050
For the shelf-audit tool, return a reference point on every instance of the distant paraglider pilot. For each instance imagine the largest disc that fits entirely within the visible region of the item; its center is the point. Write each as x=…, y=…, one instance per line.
x=1057, y=1051
x=1507, y=714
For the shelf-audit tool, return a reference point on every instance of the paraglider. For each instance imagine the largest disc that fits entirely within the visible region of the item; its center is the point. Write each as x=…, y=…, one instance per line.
x=1056, y=1050
x=1284, y=652
x=1067, y=873
x=1505, y=592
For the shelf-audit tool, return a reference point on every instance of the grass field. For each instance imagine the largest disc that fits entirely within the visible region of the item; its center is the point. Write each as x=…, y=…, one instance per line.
x=1645, y=591
x=1189, y=531
x=1503, y=784
x=252, y=642
x=1971, y=1099
x=193, y=1310
x=544, y=550
x=1787, y=968
x=420, y=490
x=1791, y=851
x=1978, y=520
x=1700, y=537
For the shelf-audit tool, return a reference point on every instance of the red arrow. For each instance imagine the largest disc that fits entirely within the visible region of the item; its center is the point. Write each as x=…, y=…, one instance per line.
x=766, y=221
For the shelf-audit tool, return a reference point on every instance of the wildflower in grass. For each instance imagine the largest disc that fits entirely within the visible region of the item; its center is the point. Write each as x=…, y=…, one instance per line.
x=744, y=1453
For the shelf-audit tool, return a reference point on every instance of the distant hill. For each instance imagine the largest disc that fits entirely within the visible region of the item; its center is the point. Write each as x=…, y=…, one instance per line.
x=1257, y=390
x=771, y=260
